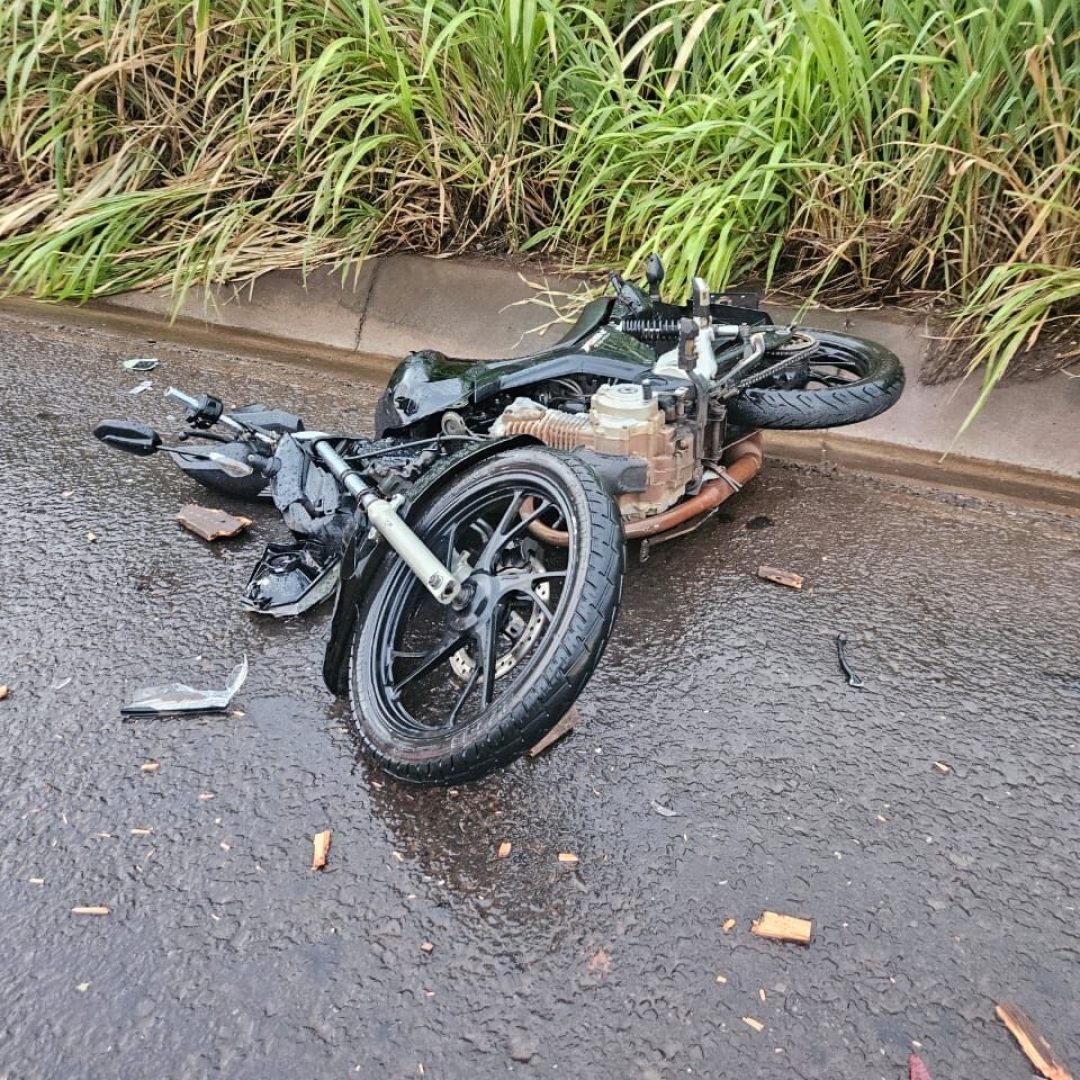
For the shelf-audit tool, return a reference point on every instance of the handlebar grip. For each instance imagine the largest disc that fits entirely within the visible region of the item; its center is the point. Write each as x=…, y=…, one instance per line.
x=184, y=399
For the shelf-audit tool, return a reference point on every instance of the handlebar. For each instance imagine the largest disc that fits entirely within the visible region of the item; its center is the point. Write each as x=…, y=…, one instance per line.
x=205, y=410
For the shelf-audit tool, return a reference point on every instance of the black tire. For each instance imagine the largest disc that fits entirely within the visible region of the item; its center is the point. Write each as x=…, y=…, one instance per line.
x=441, y=695
x=849, y=380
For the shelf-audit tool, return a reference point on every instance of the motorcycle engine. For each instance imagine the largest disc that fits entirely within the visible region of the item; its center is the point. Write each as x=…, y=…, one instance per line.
x=624, y=420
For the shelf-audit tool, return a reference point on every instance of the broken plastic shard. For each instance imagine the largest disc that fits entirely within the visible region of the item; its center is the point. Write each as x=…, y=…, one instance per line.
x=290, y=578
x=144, y=385
x=180, y=698
x=141, y=363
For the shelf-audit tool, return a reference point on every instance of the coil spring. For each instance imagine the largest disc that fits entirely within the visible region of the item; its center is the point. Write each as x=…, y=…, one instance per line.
x=653, y=329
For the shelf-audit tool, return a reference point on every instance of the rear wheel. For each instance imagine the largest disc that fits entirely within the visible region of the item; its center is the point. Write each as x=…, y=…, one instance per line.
x=444, y=694
x=843, y=381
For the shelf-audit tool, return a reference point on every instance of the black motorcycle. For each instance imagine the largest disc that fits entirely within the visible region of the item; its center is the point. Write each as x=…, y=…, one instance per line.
x=476, y=544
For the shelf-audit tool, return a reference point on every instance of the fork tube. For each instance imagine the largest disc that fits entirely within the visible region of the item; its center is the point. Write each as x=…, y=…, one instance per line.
x=386, y=521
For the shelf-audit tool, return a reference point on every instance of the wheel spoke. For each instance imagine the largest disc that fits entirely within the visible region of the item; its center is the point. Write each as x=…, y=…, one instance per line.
x=498, y=538
x=466, y=691
x=527, y=520
x=487, y=640
x=447, y=645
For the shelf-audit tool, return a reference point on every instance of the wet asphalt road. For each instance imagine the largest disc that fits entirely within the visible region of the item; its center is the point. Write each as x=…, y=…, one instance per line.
x=722, y=767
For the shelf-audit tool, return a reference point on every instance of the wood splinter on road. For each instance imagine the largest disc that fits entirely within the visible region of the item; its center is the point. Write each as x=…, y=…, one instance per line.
x=1032, y=1042
x=563, y=727
x=211, y=524
x=321, y=845
x=781, y=577
x=782, y=928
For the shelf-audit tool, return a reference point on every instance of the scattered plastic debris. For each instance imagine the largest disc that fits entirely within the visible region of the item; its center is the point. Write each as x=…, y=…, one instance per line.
x=181, y=698
x=290, y=578
x=321, y=844
x=916, y=1069
x=782, y=928
x=781, y=577
x=95, y=910
x=841, y=655
x=144, y=385
x=211, y=524
x=663, y=811
x=141, y=363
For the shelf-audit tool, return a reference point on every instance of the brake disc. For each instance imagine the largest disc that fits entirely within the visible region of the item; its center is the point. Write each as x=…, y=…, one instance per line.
x=521, y=632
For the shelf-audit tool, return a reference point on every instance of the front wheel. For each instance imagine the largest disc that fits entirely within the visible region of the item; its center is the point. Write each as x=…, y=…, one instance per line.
x=843, y=381
x=444, y=694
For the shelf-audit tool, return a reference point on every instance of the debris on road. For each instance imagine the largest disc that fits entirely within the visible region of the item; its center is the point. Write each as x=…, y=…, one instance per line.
x=96, y=910
x=916, y=1069
x=3, y=692
x=757, y=1025
x=781, y=577
x=782, y=928
x=523, y=1048
x=428, y=947
x=600, y=963
x=321, y=845
x=663, y=811
x=142, y=387
x=504, y=849
x=563, y=727
x=841, y=655
x=567, y=857
x=211, y=524
x=141, y=363
x=942, y=767
x=181, y=698
x=150, y=766
x=1031, y=1040
x=729, y=924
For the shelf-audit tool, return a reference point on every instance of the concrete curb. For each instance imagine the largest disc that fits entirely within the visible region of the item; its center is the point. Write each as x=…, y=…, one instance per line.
x=1024, y=444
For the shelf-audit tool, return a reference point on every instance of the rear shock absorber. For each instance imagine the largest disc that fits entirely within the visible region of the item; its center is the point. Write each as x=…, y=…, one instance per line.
x=649, y=329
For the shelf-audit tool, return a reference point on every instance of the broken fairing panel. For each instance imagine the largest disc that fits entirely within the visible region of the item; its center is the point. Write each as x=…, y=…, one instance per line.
x=291, y=578
x=181, y=698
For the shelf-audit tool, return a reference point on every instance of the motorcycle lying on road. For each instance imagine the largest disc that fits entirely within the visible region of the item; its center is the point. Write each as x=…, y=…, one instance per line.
x=476, y=543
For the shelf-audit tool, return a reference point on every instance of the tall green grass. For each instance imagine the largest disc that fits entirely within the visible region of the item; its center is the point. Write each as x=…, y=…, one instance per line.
x=863, y=151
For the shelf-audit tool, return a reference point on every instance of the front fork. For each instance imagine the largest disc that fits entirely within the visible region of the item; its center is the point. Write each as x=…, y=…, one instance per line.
x=384, y=518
